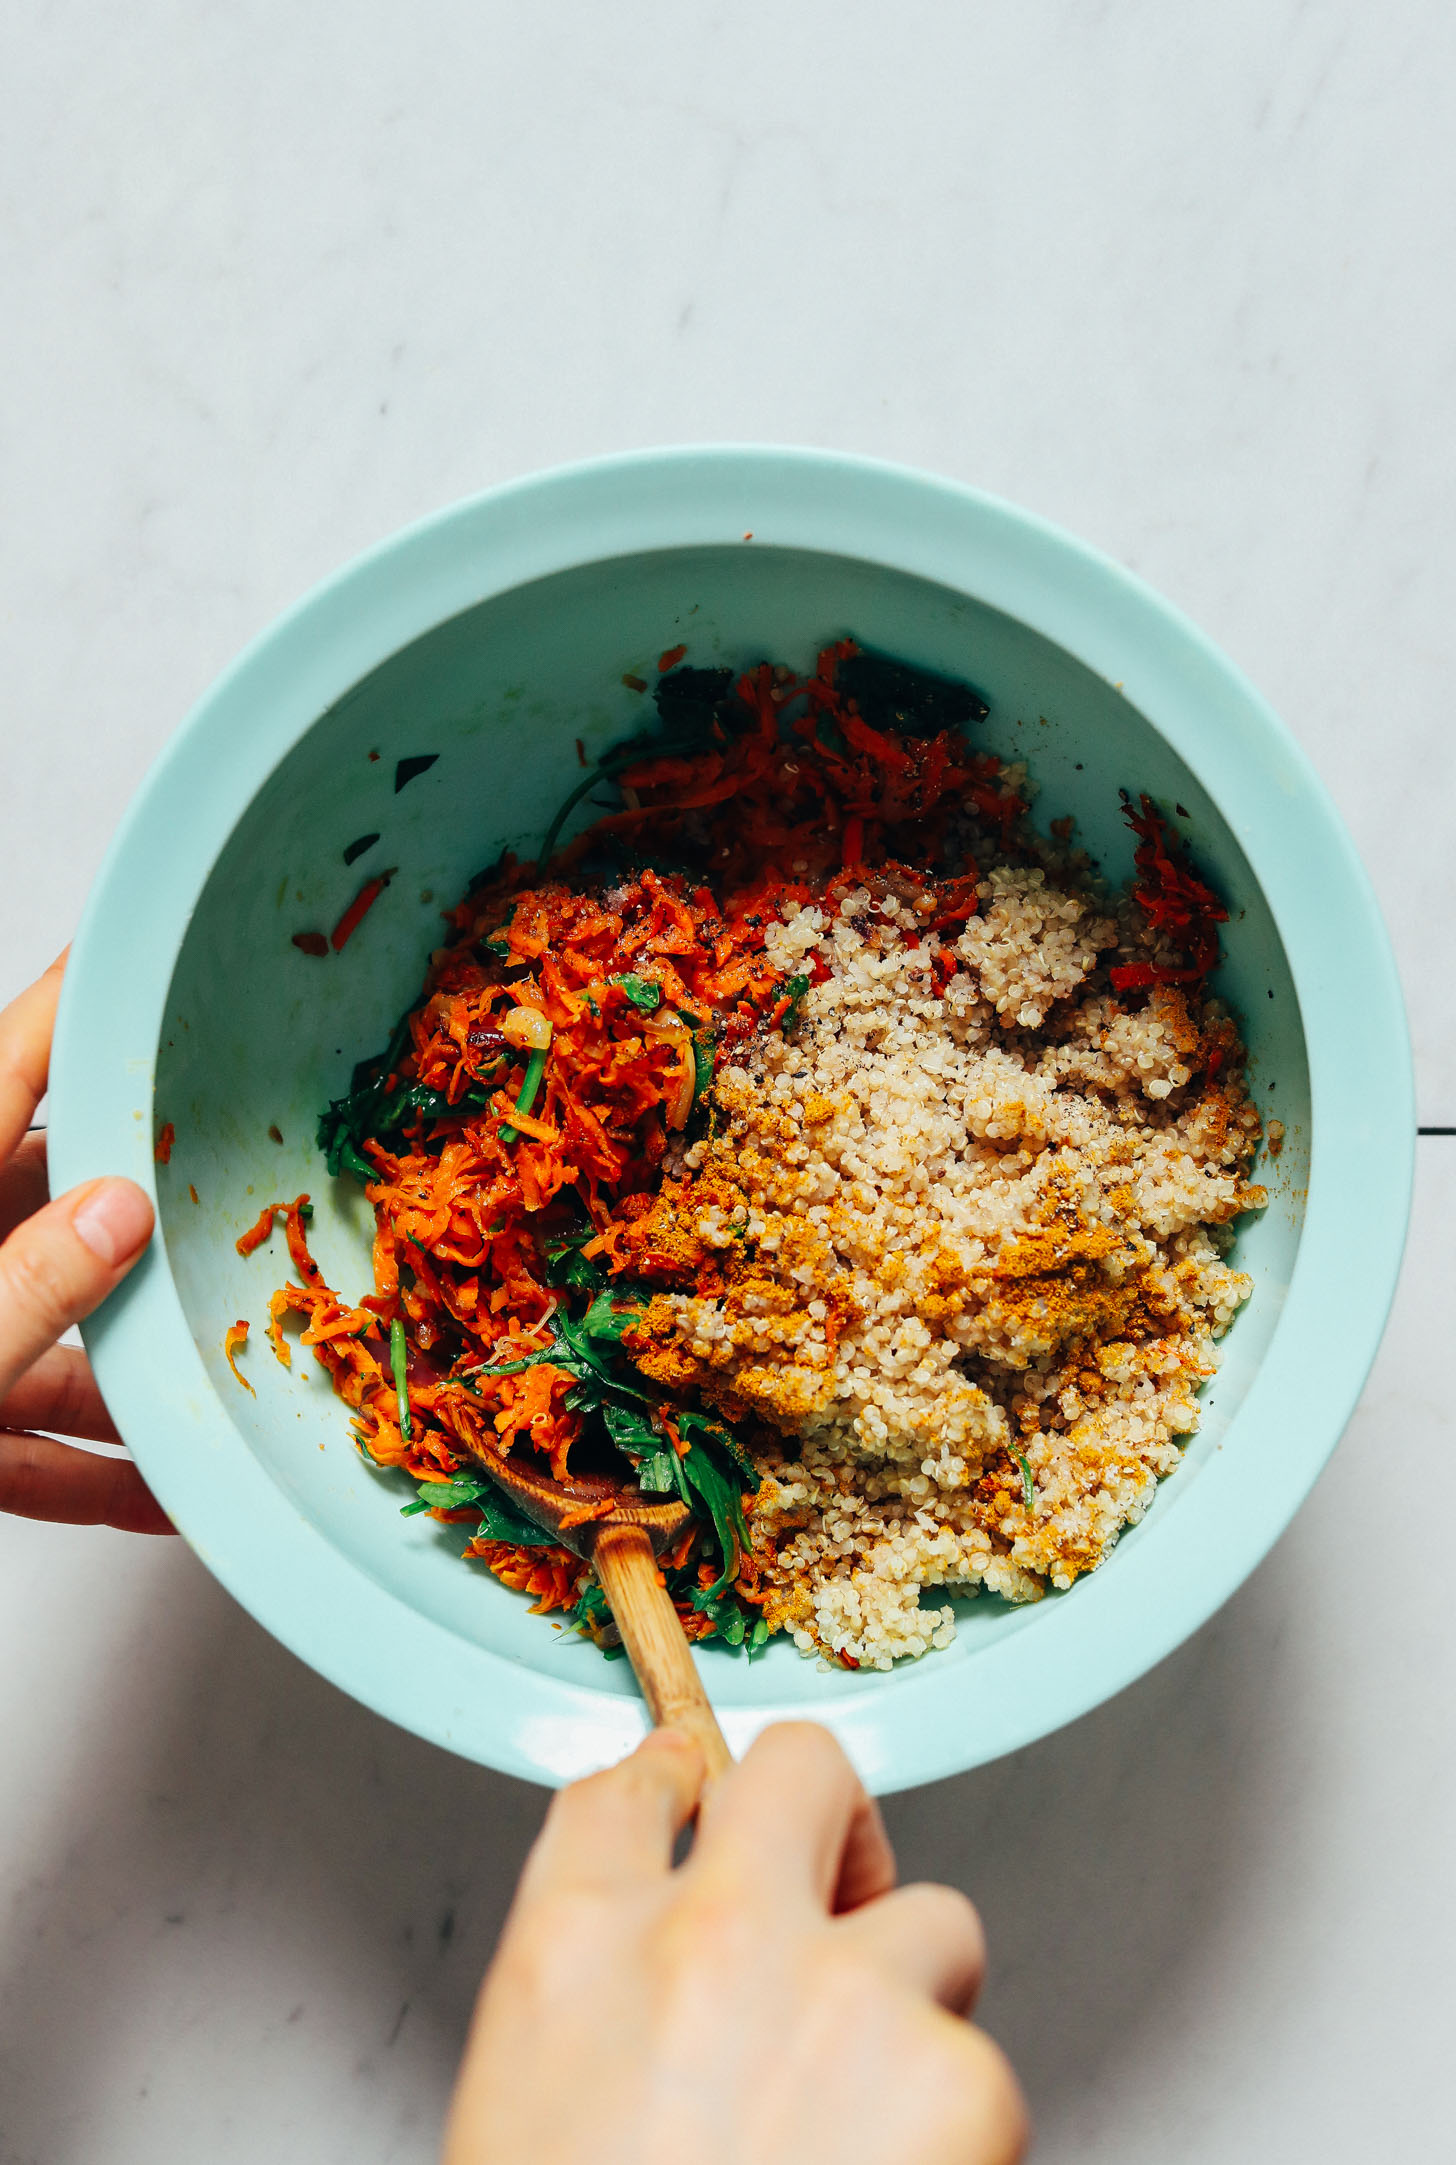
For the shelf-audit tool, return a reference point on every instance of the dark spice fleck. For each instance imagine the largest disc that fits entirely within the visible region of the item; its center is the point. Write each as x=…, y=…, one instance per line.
x=358, y=846
x=311, y=943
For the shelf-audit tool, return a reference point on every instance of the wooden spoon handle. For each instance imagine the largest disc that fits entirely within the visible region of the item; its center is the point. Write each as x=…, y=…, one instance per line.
x=656, y=1643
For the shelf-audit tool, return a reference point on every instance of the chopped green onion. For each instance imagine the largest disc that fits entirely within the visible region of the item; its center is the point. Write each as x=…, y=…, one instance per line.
x=399, y=1362
x=1028, y=1486
x=702, y=1063
x=535, y=1069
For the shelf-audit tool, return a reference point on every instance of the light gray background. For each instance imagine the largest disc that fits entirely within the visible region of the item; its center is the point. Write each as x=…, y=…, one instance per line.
x=274, y=280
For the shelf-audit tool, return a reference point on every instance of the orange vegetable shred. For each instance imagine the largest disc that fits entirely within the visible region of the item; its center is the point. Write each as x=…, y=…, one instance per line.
x=234, y=1339
x=358, y=910
x=257, y=1234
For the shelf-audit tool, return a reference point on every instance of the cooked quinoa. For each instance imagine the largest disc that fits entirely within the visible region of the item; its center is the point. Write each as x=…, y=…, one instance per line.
x=982, y=1231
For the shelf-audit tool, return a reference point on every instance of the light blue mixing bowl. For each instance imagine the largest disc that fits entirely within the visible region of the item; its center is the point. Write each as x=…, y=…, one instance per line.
x=493, y=636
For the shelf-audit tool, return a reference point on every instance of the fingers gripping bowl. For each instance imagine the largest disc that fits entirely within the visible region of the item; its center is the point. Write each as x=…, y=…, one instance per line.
x=488, y=642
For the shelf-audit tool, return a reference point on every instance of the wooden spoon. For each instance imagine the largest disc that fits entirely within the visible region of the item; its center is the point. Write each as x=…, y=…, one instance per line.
x=623, y=1545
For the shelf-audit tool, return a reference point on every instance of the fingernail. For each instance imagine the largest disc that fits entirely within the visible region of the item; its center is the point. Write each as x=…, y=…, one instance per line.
x=114, y=1221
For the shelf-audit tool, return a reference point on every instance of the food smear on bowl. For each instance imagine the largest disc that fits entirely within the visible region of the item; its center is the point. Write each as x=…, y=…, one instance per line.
x=812, y=1139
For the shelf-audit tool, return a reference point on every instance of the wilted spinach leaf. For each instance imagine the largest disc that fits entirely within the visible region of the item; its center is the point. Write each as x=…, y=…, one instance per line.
x=614, y=1311
x=689, y=701
x=567, y=1266
x=893, y=695
x=643, y=992
x=500, y=1520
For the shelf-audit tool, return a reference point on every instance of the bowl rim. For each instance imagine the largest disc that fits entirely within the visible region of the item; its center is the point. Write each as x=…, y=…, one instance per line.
x=247, y=1530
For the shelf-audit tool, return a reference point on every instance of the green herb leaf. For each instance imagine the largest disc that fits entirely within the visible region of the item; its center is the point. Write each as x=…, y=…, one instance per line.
x=567, y=1266
x=465, y=1487
x=351, y=1120
x=500, y=1521
x=572, y=1350
x=733, y=1623
x=592, y=1615
x=702, y=1472
x=630, y=1429
x=576, y=1345
x=614, y=1311
x=358, y=847
x=705, y=1428
x=1028, y=1486
x=416, y=1102
x=350, y=1161
x=499, y=1518
x=643, y=992
x=655, y=1474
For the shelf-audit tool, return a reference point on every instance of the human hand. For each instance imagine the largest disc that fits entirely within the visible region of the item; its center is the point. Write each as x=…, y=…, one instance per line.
x=58, y=1261
x=774, y=2000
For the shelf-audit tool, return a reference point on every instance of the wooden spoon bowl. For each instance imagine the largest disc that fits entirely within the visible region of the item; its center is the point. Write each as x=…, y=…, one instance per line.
x=621, y=1533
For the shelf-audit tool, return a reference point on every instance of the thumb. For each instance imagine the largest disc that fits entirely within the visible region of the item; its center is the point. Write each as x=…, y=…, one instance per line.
x=60, y=1264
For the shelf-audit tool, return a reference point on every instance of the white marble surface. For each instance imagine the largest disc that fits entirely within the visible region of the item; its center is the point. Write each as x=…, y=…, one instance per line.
x=274, y=280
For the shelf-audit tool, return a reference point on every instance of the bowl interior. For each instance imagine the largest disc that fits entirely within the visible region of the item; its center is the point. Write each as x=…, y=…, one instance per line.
x=258, y=1035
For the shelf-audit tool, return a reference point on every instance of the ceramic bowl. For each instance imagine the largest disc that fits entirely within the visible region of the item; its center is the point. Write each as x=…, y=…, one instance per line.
x=489, y=640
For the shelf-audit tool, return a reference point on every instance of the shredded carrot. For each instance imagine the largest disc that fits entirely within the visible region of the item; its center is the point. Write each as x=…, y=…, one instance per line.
x=258, y=1233
x=279, y=1306
x=671, y=658
x=235, y=1337
x=163, y=1151
x=358, y=910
